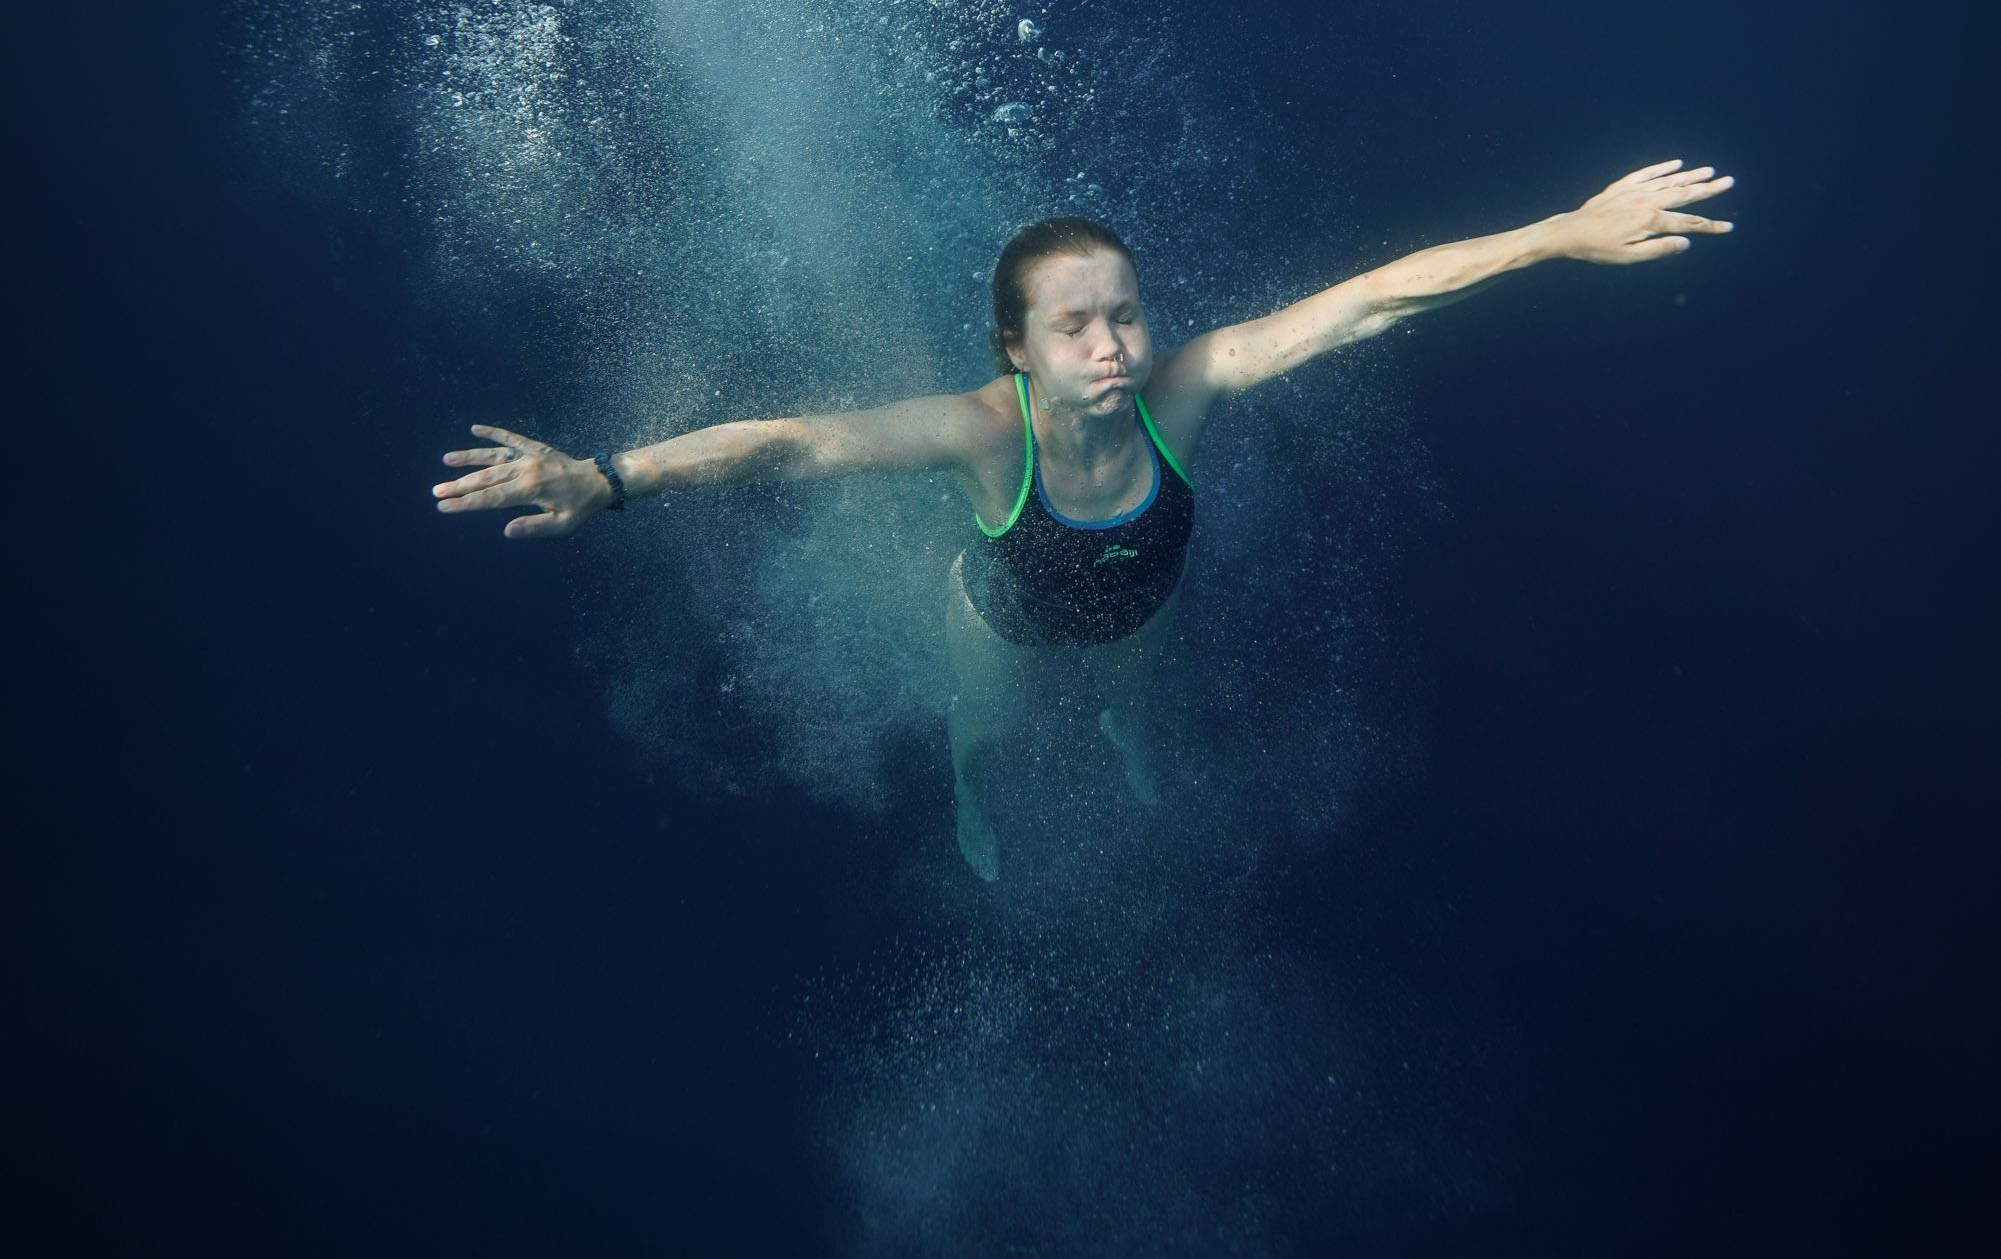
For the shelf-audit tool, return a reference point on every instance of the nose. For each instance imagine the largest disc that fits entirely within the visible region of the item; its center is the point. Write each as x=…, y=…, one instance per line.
x=1111, y=348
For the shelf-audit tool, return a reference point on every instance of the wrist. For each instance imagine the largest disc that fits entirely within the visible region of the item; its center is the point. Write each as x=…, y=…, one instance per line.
x=642, y=475
x=633, y=473
x=1550, y=238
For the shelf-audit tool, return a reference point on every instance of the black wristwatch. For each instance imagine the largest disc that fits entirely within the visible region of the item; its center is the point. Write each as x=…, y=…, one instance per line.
x=603, y=460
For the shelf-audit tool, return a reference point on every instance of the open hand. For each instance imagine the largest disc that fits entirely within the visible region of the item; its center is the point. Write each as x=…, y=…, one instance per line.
x=522, y=472
x=1635, y=218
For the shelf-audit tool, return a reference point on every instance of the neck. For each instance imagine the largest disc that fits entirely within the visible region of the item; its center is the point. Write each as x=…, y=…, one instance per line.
x=1080, y=437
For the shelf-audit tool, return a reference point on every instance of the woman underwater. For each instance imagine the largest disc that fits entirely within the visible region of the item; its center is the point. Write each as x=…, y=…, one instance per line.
x=1075, y=457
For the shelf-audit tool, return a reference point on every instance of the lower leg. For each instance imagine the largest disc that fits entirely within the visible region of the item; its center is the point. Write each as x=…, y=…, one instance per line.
x=976, y=832
x=1130, y=676
x=1125, y=729
x=980, y=666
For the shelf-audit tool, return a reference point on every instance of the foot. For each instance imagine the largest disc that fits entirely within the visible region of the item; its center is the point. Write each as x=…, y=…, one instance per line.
x=976, y=835
x=1139, y=775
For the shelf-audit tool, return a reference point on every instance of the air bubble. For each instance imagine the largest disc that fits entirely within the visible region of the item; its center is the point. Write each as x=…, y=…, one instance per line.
x=1027, y=32
x=1013, y=111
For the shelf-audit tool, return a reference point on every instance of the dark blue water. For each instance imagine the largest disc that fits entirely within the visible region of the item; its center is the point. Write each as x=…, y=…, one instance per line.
x=344, y=918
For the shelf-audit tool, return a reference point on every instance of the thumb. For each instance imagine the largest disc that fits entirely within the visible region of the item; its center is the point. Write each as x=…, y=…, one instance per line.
x=542, y=524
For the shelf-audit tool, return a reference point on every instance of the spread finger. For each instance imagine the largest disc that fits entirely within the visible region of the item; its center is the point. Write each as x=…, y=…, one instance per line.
x=475, y=458
x=1702, y=192
x=1648, y=172
x=517, y=441
x=482, y=500
x=1696, y=223
x=1658, y=247
x=1683, y=178
x=474, y=481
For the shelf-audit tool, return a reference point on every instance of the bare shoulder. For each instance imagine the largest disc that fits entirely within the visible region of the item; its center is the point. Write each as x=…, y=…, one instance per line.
x=992, y=415
x=967, y=422
x=994, y=444
x=944, y=430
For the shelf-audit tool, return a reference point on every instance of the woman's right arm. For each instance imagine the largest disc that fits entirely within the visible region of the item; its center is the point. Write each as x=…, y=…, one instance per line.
x=941, y=430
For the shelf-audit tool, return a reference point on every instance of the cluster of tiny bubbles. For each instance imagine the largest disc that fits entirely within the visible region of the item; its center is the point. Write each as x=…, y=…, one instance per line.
x=1169, y=1098
x=674, y=213
x=686, y=216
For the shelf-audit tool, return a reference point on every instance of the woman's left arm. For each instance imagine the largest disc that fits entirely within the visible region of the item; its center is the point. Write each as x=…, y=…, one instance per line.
x=1635, y=219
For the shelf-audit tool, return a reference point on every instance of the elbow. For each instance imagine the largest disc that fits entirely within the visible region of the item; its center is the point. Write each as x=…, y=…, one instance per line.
x=1378, y=322
x=748, y=450
x=791, y=450
x=1383, y=299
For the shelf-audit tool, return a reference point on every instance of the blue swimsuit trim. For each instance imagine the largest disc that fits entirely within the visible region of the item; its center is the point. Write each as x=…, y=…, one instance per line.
x=1152, y=493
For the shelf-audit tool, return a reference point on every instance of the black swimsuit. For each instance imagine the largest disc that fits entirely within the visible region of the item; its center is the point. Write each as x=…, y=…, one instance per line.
x=1043, y=578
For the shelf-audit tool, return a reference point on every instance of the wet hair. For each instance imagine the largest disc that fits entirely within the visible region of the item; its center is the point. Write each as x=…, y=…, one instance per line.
x=1045, y=239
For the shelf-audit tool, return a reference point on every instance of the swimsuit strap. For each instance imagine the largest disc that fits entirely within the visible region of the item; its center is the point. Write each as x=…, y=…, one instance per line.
x=1027, y=462
x=1165, y=453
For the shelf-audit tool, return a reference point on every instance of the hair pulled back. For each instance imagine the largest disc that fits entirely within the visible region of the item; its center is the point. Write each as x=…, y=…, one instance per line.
x=1045, y=239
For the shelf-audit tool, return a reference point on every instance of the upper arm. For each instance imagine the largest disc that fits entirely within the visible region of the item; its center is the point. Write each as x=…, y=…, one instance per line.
x=935, y=431
x=1242, y=356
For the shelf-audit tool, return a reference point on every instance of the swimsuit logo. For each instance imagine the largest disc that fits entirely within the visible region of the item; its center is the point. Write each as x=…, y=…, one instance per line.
x=1115, y=552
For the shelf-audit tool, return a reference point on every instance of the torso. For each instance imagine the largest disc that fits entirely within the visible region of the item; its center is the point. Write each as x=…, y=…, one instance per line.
x=1078, y=555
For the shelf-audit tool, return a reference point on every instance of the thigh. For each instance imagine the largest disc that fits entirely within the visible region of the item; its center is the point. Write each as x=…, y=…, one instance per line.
x=991, y=672
x=1124, y=670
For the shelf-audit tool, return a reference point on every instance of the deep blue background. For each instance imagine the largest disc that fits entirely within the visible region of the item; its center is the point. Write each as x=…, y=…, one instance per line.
x=1706, y=649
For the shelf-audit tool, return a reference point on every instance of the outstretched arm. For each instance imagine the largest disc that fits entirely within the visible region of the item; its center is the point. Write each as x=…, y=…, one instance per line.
x=519, y=471
x=1633, y=220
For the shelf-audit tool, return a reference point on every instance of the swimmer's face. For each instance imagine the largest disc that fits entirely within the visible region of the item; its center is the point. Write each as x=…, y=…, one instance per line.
x=1084, y=340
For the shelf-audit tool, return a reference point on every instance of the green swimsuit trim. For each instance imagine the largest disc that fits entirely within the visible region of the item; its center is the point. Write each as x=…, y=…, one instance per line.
x=1158, y=444
x=1028, y=455
x=1027, y=463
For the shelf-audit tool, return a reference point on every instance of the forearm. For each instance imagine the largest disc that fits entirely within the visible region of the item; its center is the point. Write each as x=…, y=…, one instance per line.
x=925, y=432
x=723, y=454
x=1444, y=274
